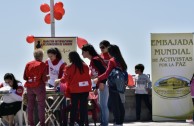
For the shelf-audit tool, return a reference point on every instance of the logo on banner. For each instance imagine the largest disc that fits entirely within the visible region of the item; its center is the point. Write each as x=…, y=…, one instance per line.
x=172, y=87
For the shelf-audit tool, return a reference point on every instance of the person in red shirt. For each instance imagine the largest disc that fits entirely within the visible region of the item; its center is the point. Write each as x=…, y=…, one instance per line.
x=98, y=67
x=77, y=77
x=12, y=101
x=35, y=74
x=104, y=44
x=116, y=99
x=103, y=95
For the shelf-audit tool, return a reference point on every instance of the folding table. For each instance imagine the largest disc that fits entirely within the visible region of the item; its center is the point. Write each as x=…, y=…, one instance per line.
x=58, y=97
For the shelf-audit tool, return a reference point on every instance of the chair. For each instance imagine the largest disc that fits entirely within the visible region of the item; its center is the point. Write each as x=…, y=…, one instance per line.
x=22, y=114
x=93, y=108
x=1, y=122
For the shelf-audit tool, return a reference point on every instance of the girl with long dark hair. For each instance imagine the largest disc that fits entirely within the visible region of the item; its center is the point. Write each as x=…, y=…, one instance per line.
x=76, y=76
x=116, y=99
x=98, y=67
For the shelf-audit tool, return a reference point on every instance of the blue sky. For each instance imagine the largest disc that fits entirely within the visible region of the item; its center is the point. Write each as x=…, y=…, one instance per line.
x=127, y=23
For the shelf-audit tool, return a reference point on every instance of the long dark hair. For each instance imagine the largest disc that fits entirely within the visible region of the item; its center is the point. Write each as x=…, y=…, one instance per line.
x=115, y=52
x=74, y=58
x=10, y=76
x=56, y=52
x=90, y=49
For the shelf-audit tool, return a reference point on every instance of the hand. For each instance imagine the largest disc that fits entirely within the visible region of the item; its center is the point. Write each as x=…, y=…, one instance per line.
x=48, y=77
x=101, y=87
x=96, y=92
x=149, y=91
x=57, y=81
x=95, y=80
x=130, y=87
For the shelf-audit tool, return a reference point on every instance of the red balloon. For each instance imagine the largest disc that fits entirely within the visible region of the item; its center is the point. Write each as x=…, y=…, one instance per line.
x=47, y=19
x=58, y=5
x=30, y=38
x=44, y=7
x=81, y=42
x=57, y=15
x=61, y=10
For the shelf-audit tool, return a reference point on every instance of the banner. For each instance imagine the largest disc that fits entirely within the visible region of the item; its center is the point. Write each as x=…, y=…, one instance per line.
x=172, y=69
x=64, y=44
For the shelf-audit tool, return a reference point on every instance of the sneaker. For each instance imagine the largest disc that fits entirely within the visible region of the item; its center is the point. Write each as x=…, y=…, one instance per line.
x=76, y=124
x=189, y=120
x=137, y=120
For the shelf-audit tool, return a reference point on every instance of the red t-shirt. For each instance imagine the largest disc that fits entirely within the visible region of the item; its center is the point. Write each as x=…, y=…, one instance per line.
x=111, y=65
x=106, y=57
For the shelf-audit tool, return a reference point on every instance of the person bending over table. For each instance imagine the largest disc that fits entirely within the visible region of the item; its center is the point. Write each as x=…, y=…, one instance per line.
x=13, y=100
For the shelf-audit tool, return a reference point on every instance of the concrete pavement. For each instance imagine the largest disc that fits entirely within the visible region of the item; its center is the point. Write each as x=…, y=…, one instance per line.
x=153, y=124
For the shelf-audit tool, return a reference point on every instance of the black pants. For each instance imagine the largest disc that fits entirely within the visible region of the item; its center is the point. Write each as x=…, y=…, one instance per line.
x=79, y=100
x=139, y=97
x=117, y=107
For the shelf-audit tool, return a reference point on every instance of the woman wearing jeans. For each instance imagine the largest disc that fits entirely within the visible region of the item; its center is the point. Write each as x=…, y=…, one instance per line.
x=116, y=99
x=103, y=95
x=97, y=67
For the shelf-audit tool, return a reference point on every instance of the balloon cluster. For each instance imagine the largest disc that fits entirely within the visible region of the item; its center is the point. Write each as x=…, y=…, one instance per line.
x=59, y=11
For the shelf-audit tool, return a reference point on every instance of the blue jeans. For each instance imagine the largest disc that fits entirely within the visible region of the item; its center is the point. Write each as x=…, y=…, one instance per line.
x=103, y=101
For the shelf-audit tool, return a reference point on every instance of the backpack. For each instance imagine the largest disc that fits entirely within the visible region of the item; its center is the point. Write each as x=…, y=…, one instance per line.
x=118, y=80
